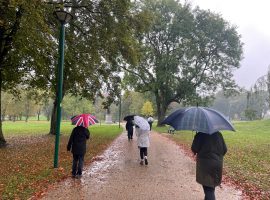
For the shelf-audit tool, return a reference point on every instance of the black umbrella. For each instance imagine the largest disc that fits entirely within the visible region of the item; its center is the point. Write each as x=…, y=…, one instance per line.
x=129, y=117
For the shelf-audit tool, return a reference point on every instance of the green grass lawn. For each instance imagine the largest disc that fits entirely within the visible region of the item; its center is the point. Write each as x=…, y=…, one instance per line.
x=26, y=164
x=247, y=161
x=22, y=128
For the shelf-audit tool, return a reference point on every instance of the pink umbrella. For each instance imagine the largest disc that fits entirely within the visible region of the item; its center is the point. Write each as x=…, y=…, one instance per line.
x=84, y=120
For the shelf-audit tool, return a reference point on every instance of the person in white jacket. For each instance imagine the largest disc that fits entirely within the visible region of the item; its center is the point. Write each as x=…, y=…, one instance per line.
x=143, y=143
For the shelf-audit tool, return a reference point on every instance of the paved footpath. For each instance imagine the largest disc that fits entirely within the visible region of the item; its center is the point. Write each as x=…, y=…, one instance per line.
x=117, y=175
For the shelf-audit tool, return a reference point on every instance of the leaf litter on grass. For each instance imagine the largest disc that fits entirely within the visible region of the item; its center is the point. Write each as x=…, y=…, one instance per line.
x=27, y=163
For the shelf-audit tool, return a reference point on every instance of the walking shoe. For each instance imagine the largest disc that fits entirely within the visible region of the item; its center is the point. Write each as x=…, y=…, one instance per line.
x=79, y=176
x=141, y=163
x=146, y=161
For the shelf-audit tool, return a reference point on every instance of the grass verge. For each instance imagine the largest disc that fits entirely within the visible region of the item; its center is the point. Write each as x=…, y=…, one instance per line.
x=247, y=162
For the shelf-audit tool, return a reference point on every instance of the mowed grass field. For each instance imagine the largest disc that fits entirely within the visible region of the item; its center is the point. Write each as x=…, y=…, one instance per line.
x=26, y=164
x=247, y=162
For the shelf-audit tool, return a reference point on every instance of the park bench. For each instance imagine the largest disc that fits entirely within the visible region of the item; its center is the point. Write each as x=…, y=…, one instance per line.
x=171, y=130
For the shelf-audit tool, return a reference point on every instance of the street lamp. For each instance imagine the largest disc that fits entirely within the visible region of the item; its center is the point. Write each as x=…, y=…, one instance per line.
x=120, y=106
x=63, y=17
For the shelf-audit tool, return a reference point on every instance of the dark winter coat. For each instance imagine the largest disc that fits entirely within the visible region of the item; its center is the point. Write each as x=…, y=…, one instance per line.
x=77, y=140
x=129, y=126
x=210, y=150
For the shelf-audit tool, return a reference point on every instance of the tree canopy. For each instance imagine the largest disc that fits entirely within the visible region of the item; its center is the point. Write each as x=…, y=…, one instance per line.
x=185, y=53
x=24, y=42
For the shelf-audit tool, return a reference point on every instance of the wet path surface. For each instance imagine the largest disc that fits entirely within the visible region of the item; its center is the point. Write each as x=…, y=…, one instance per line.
x=117, y=175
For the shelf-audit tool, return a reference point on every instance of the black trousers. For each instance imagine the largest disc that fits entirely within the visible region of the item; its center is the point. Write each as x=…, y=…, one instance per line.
x=209, y=193
x=77, y=164
x=130, y=133
x=143, y=152
x=150, y=124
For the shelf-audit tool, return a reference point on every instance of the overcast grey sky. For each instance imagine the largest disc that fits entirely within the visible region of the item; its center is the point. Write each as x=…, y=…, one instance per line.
x=253, y=21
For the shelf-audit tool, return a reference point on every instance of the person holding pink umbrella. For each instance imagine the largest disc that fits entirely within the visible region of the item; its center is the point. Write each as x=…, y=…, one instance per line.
x=77, y=141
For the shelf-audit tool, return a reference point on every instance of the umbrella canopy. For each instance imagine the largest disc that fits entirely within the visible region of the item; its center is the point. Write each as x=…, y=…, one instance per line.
x=129, y=117
x=84, y=120
x=142, y=123
x=200, y=119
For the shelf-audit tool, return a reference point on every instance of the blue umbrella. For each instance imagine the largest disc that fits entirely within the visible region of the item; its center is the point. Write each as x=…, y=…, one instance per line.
x=200, y=119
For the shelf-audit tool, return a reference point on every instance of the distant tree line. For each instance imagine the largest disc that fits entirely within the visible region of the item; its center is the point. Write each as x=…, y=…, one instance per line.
x=21, y=108
x=246, y=104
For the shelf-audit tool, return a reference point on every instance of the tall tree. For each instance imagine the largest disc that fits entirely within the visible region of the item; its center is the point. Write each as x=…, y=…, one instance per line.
x=185, y=53
x=24, y=42
x=100, y=33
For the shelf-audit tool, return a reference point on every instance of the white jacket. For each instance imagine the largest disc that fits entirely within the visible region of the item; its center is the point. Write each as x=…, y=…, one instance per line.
x=142, y=137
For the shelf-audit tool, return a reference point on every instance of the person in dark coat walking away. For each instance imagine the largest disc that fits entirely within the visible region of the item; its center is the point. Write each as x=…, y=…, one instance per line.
x=129, y=129
x=77, y=145
x=210, y=150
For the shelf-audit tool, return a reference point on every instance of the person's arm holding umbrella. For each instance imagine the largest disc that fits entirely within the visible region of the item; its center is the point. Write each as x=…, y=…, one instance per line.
x=196, y=144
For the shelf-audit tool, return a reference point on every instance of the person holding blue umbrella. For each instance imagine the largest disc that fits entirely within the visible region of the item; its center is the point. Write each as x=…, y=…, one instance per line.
x=208, y=144
x=210, y=150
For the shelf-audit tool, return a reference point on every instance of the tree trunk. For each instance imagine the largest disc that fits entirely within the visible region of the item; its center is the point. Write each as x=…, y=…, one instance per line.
x=53, y=118
x=3, y=142
x=161, y=114
x=38, y=114
x=2, y=139
x=161, y=110
x=20, y=116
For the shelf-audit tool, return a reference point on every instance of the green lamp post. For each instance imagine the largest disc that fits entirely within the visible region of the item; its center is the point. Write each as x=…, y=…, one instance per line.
x=120, y=107
x=63, y=17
